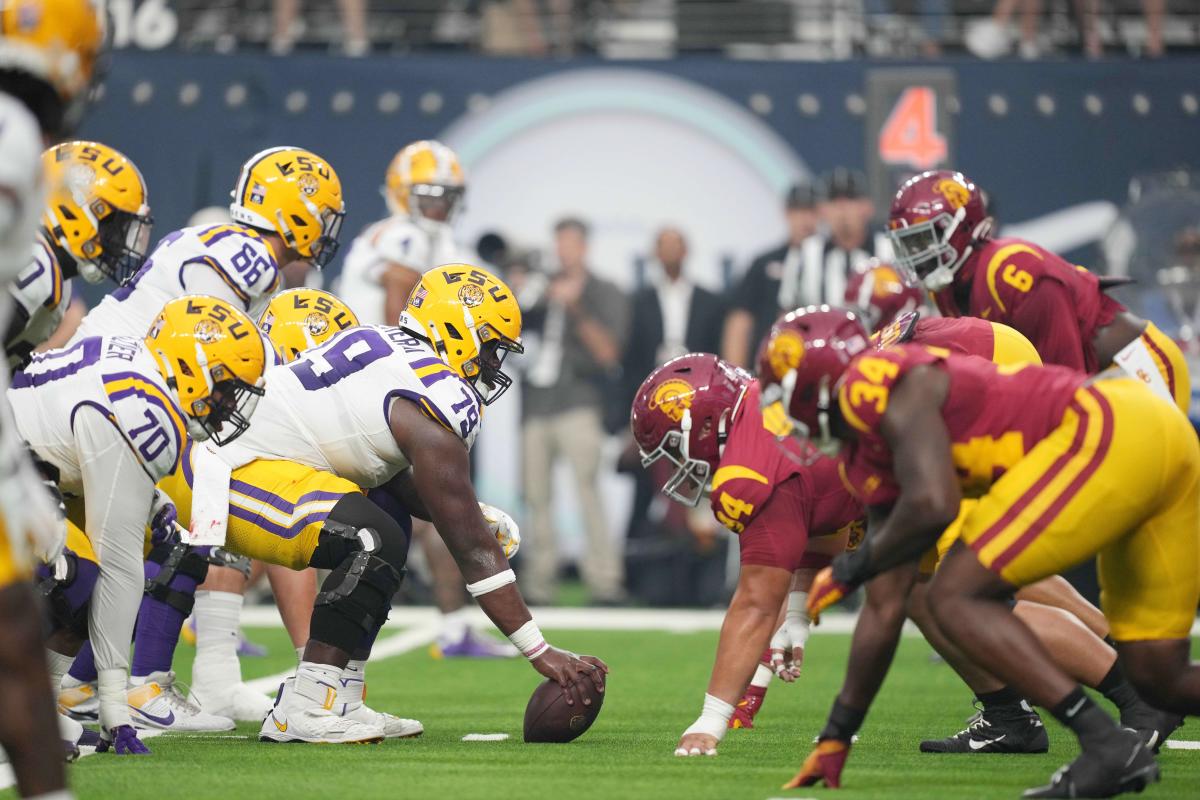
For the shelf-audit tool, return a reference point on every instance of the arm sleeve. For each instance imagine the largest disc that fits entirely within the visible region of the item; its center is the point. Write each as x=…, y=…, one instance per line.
x=117, y=498
x=1046, y=316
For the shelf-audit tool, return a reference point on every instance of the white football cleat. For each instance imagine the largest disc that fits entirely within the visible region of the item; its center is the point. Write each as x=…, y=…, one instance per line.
x=304, y=712
x=350, y=705
x=157, y=703
x=237, y=701
x=80, y=702
x=393, y=727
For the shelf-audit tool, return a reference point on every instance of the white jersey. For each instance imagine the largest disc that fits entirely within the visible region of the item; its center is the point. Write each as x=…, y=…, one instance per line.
x=230, y=262
x=21, y=190
x=395, y=240
x=114, y=375
x=40, y=295
x=329, y=408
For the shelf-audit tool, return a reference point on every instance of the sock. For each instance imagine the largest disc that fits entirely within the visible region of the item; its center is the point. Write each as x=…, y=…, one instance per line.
x=158, y=624
x=1117, y=689
x=762, y=677
x=299, y=654
x=59, y=664
x=218, y=615
x=84, y=669
x=454, y=626
x=1003, y=699
x=1081, y=714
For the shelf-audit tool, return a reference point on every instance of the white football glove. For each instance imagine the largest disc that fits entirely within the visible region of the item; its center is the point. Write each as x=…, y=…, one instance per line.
x=504, y=528
x=787, y=645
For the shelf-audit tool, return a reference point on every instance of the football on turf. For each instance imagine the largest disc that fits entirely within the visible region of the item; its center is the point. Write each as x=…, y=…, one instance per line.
x=548, y=718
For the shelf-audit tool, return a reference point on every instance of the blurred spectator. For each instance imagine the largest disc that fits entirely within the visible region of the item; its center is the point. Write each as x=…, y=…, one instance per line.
x=672, y=557
x=286, y=22
x=529, y=27
x=928, y=16
x=806, y=271
x=992, y=37
x=755, y=303
x=581, y=322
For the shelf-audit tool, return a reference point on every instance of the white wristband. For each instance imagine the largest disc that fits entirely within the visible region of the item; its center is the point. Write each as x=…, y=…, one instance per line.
x=714, y=719
x=529, y=640
x=492, y=583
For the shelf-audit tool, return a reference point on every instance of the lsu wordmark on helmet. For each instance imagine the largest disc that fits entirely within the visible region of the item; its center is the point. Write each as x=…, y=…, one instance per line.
x=297, y=320
x=473, y=322
x=212, y=358
x=97, y=209
x=296, y=194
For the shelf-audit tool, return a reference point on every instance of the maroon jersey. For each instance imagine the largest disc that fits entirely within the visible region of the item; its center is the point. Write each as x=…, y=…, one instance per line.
x=1057, y=305
x=765, y=496
x=994, y=415
x=966, y=336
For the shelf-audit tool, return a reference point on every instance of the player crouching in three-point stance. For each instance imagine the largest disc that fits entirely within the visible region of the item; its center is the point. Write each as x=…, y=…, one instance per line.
x=353, y=414
x=109, y=416
x=1062, y=470
x=702, y=415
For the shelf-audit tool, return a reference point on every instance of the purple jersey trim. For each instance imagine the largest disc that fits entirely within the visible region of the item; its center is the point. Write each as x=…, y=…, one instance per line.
x=421, y=402
x=155, y=401
x=275, y=501
x=284, y=532
x=91, y=354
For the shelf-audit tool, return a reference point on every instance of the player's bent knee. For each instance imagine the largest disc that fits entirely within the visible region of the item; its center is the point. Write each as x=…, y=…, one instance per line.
x=66, y=587
x=177, y=570
x=355, y=599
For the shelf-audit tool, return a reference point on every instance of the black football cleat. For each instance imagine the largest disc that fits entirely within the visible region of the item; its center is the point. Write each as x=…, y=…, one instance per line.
x=1128, y=766
x=1152, y=725
x=1017, y=731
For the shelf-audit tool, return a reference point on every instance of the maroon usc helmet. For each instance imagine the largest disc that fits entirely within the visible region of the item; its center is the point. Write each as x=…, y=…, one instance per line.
x=681, y=412
x=804, y=355
x=880, y=292
x=935, y=221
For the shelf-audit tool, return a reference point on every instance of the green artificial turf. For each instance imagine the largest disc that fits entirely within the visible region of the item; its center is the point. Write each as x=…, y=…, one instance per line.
x=655, y=691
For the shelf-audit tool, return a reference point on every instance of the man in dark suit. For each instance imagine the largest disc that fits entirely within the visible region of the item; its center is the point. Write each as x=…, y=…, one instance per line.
x=670, y=558
x=671, y=315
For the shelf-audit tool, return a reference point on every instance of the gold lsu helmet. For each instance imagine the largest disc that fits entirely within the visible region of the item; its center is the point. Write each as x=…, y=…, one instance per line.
x=300, y=319
x=295, y=193
x=212, y=357
x=97, y=209
x=57, y=42
x=472, y=320
x=425, y=181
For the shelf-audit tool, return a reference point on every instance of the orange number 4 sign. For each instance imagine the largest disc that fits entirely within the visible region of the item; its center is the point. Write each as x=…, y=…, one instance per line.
x=910, y=135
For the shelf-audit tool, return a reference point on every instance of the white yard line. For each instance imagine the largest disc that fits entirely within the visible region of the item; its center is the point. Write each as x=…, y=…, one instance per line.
x=417, y=636
x=587, y=619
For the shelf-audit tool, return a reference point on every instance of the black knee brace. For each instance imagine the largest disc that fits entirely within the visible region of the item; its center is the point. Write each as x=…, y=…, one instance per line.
x=66, y=603
x=175, y=558
x=220, y=557
x=357, y=595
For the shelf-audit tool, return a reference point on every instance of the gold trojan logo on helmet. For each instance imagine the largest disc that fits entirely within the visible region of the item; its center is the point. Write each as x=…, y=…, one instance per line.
x=955, y=193
x=785, y=351
x=295, y=194
x=300, y=319
x=425, y=181
x=212, y=358
x=472, y=320
x=673, y=397
x=57, y=42
x=97, y=209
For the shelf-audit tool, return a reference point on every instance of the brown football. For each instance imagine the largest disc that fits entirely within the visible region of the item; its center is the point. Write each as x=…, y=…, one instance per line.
x=548, y=718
